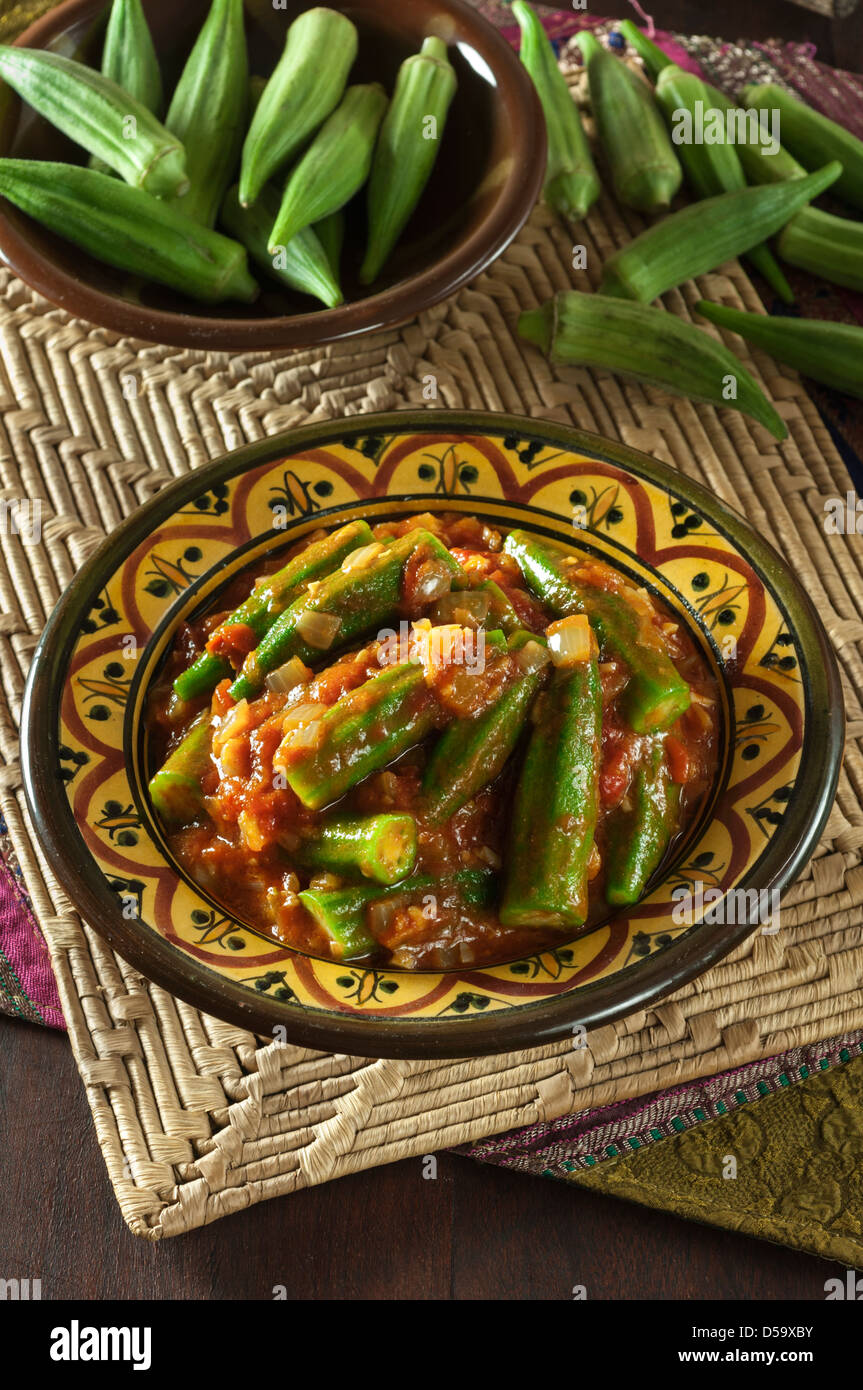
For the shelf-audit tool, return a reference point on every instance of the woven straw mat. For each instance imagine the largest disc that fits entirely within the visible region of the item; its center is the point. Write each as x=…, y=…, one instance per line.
x=197, y=1119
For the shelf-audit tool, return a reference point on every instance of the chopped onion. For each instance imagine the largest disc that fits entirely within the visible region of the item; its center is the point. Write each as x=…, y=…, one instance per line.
x=533, y=656
x=382, y=912
x=307, y=737
x=285, y=678
x=318, y=629
x=433, y=579
x=467, y=607
x=301, y=714
x=570, y=640
x=362, y=558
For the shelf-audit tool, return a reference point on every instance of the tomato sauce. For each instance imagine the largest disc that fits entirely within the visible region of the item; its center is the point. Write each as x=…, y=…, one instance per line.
x=239, y=850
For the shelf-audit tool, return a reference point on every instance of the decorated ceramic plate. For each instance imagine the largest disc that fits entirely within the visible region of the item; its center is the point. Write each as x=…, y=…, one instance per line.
x=777, y=708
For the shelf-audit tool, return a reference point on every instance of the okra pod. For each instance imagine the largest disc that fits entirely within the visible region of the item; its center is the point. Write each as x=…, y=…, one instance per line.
x=711, y=168
x=257, y=85
x=301, y=265
x=813, y=139
x=127, y=228
x=650, y=54
x=361, y=733
x=306, y=85
x=341, y=913
x=97, y=114
x=406, y=149
x=356, y=602
x=656, y=693
x=634, y=340
x=831, y=353
x=330, y=232
x=129, y=55
x=638, y=839
x=382, y=848
x=209, y=108
x=336, y=164
x=827, y=246
x=556, y=805
x=175, y=790
x=644, y=168
x=269, y=599
x=571, y=182
x=703, y=235
x=470, y=753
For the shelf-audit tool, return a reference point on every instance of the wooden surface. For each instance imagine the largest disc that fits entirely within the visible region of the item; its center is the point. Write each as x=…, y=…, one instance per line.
x=473, y=1232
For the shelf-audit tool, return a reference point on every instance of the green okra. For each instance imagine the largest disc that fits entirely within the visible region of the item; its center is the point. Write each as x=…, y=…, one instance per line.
x=127, y=228
x=269, y=599
x=471, y=752
x=301, y=265
x=571, y=182
x=656, y=693
x=703, y=235
x=638, y=839
x=175, y=790
x=363, y=600
x=209, y=108
x=406, y=149
x=650, y=54
x=362, y=733
x=813, y=139
x=129, y=54
x=330, y=232
x=644, y=167
x=336, y=164
x=341, y=912
x=556, y=805
x=382, y=847
x=647, y=344
x=306, y=85
x=97, y=114
x=712, y=169
x=827, y=246
x=831, y=353
x=257, y=85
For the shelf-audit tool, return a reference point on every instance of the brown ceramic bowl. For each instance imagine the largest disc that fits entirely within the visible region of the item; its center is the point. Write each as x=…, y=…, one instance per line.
x=485, y=182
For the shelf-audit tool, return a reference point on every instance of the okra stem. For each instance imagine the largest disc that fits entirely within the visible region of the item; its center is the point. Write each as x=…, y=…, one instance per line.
x=383, y=848
x=269, y=599
x=656, y=693
x=638, y=839
x=556, y=805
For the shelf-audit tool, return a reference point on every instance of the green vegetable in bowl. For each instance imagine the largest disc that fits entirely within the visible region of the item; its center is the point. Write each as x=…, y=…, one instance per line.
x=96, y=113
x=209, y=109
x=301, y=265
x=306, y=85
x=406, y=149
x=127, y=228
x=336, y=164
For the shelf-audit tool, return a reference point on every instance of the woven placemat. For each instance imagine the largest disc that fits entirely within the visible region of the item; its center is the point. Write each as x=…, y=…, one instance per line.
x=196, y=1118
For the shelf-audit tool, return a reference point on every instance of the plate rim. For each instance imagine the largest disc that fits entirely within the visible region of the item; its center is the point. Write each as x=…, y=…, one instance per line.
x=595, y=1004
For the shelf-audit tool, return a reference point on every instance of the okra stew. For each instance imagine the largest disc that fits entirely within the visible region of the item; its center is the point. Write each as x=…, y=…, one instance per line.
x=430, y=743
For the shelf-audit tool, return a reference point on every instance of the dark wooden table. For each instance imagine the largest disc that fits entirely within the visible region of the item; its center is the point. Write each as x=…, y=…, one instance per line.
x=475, y=1232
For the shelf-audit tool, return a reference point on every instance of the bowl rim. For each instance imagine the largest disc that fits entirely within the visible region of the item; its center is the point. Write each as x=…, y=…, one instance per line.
x=594, y=1004
x=387, y=309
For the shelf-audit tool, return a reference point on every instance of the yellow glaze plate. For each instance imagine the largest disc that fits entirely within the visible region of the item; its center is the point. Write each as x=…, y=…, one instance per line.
x=85, y=773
